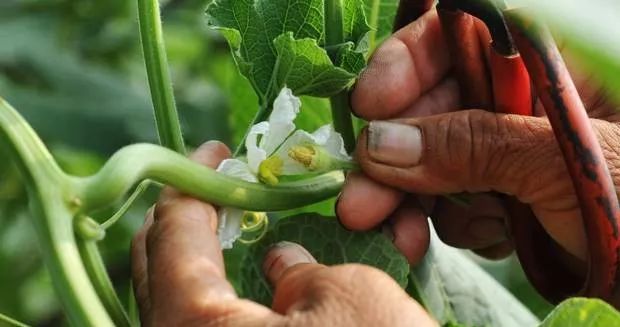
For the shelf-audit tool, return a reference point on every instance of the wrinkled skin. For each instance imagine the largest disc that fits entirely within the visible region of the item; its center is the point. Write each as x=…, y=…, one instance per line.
x=179, y=278
x=177, y=262
x=409, y=81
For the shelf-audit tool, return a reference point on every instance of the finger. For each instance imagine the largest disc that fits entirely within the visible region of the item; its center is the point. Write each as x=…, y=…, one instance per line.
x=280, y=259
x=139, y=272
x=441, y=99
x=364, y=203
x=185, y=260
x=283, y=256
x=308, y=292
x=477, y=151
x=209, y=154
x=477, y=225
x=411, y=233
x=466, y=151
x=185, y=263
x=404, y=67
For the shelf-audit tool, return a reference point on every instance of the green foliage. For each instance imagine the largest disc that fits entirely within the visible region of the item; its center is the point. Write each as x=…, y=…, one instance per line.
x=380, y=15
x=278, y=43
x=581, y=312
x=457, y=291
x=73, y=69
x=329, y=243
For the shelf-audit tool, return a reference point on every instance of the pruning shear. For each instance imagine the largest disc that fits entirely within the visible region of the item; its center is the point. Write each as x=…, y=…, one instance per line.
x=525, y=61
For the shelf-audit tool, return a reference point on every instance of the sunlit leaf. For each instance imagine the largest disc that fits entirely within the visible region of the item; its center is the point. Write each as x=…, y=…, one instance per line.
x=580, y=312
x=277, y=43
x=380, y=15
x=456, y=290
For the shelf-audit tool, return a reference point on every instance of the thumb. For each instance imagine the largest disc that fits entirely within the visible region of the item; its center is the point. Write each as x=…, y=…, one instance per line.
x=465, y=151
x=311, y=294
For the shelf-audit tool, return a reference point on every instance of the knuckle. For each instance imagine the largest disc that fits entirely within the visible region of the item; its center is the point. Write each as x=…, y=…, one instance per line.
x=456, y=145
x=530, y=149
x=515, y=148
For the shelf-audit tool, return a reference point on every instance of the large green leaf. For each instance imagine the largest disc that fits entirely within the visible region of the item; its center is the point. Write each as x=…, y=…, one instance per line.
x=329, y=243
x=456, y=290
x=581, y=312
x=278, y=42
x=306, y=68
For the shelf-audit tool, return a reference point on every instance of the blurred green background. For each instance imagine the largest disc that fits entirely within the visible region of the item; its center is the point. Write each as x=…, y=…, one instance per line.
x=74, y=70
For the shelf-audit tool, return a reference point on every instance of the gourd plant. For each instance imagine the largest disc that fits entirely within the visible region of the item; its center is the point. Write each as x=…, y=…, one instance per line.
x=285, y=49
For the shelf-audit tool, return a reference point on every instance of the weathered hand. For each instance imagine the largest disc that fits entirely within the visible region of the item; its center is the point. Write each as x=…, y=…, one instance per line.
x=431, y=146
x=179, y=278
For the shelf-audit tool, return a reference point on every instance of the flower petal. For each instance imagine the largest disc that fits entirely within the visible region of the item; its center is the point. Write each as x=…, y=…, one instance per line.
x=290, y=166
x=255, y=153
x=237, y=168
x=281, y=125
x=229, y=226
x=331, y=141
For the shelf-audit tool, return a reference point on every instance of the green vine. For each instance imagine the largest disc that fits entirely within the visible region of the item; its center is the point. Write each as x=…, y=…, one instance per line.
x=340, y=108
x=162, y=95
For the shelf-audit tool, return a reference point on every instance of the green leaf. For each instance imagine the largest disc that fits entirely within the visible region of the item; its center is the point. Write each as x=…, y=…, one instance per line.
x=582, y=312
x=306, y=68
x=329, y=243
x=455, y=290
x=356, y=28
x=351, y=60
x=380, y=15
x=277, y=43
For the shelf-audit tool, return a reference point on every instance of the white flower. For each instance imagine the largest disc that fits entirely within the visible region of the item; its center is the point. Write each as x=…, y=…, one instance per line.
x=274, y=149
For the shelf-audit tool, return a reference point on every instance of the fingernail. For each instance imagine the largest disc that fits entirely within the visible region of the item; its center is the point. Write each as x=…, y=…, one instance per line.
x=394, y=144
x=282, y=256
x=488, y=228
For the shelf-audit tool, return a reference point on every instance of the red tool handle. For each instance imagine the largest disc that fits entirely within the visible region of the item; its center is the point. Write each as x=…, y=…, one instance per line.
x=583, y=155
x=511, y=84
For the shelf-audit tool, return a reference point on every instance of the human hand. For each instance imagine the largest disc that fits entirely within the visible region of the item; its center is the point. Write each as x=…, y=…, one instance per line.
x=179, y=278
x=431, y=147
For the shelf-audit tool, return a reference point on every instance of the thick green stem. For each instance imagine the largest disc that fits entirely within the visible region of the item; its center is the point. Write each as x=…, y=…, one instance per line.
x=103, y=285
x=341, y=118
x=128, y=167
x=334, y=35
x=56, y=199
x=334, y=26
x=53, y=206
x=166, y=116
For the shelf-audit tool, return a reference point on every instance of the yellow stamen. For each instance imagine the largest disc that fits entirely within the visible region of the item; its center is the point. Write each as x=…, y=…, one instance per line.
x=269, y=170
x=304, y=154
